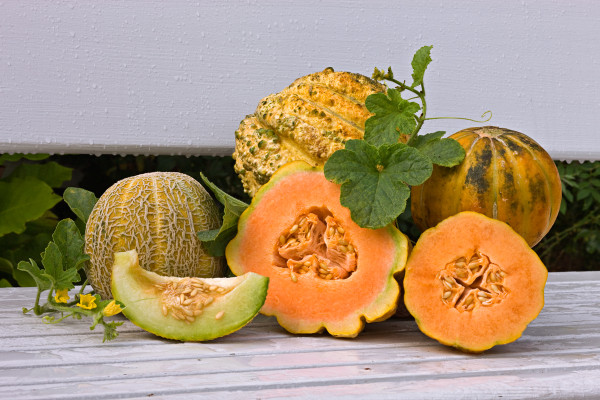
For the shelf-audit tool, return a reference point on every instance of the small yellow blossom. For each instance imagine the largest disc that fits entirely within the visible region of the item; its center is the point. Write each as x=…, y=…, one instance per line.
x=111, y=309
x=87, y=301
x=62, y=296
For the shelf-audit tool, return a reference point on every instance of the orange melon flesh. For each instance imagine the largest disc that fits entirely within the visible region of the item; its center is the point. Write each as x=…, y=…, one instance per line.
x=308, y=303
x=484, y=325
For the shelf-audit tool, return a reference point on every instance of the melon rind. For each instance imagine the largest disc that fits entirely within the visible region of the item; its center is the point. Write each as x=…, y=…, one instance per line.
x=381, y=305
x=158, y=214
x=135, y=288
x=483, y=328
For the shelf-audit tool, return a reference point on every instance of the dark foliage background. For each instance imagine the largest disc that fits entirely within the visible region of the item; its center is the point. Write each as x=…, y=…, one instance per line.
x=572, y=244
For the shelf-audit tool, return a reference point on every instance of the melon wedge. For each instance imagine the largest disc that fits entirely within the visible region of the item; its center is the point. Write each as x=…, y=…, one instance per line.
x=187, y=309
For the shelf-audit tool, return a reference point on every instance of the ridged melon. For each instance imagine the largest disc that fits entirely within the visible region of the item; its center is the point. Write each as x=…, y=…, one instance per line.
x=307, y=121
x=157, y=214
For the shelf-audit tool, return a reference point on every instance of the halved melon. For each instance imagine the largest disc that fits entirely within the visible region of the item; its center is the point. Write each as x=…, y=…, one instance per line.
x=472, y=282
x=326, y=272
x=193, y=309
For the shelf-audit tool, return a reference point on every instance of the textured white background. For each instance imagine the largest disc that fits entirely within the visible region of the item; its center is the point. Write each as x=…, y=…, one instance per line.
x=177, y=77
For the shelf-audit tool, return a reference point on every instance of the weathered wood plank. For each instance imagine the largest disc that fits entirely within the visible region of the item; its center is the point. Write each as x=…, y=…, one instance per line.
x=557, y=357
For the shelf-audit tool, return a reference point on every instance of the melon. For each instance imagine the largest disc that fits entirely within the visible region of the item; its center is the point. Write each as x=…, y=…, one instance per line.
x=505, y=175
x=308, y=121
x=326, y=272
x=158, y=215
x=472, y=282
x=188, y=308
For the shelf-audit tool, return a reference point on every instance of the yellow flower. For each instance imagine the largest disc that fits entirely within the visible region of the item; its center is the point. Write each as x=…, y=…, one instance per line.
x=62, y=296
x=87, y=301
x=111, y=309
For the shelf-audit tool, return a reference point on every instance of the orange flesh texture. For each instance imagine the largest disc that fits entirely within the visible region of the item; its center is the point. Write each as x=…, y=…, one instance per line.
x=484, y=326
x=310, y=303
x=507, y=177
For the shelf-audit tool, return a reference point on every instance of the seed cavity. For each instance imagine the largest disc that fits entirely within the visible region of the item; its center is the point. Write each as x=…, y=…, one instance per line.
x=472, y=281
x=316, y=244
x=185, y=299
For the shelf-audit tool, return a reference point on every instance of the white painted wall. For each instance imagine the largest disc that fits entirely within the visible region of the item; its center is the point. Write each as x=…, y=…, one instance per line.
x=177, y=77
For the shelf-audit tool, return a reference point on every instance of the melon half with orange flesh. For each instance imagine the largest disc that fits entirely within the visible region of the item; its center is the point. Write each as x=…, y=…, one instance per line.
x=325, y=271
x=472, y=282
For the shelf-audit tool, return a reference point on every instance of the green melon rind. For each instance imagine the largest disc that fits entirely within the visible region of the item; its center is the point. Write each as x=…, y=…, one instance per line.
x=382, y=308
x=133, y=286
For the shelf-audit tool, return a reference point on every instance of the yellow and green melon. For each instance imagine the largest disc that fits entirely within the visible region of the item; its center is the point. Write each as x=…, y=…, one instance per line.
x=158, y=215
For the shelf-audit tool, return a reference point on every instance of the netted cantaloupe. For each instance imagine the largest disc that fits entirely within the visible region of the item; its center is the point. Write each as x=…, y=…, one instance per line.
x=307, y=121
x=158, y=215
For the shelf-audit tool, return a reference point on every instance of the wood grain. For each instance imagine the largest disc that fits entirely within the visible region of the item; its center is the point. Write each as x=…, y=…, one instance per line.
x=558, y=357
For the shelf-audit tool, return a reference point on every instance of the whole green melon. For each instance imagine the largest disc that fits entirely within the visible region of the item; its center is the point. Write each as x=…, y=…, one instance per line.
x=158, y=215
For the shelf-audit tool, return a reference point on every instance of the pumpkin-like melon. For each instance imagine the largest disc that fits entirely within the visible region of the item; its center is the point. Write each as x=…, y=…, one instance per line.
x=157, y=214
x=325, y=271
x=472, y=282
x=308, y=121
x=505, y=175
x=190, y=309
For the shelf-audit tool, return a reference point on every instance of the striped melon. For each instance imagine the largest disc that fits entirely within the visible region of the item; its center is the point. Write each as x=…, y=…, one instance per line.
x=158, y=215
x=505, y=175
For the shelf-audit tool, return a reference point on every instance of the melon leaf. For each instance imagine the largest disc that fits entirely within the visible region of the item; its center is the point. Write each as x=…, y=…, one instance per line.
x=445, y=152
x=80, y=201
x=23, y=200
x=420, y=61
x=375, y=179
x=215, y=240
x=393, y=116
x=51, y=172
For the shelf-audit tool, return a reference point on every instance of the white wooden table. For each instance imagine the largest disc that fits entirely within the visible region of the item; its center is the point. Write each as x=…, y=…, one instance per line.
x=558, y=357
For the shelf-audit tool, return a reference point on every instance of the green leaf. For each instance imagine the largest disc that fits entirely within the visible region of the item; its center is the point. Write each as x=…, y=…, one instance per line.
x=215, y=240
x=420, y=61
x=80, y=201
x=23, y=200
x=393, y=116
x=31, y=267
x=6, y=266
x=18, y=156
x=374, y=180
x=69, y=241
x=52, y=173
x=445, y=152
x=52, y=259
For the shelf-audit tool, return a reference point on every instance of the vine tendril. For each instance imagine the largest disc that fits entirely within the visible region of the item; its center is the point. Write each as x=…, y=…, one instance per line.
x=488, y=113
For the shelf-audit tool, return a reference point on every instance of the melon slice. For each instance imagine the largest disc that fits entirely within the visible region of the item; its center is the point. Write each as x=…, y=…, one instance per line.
x=189, y=309
x=472, y=282
x=326, y=271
